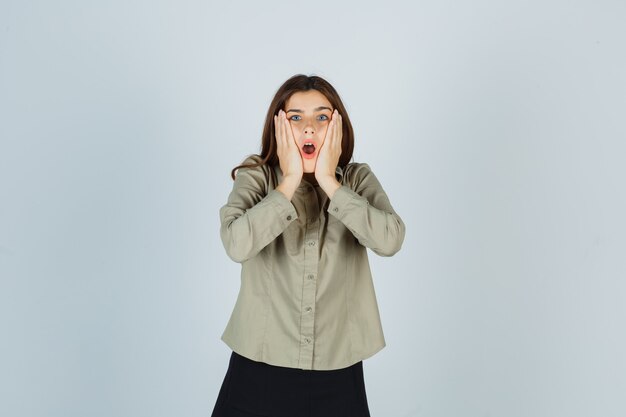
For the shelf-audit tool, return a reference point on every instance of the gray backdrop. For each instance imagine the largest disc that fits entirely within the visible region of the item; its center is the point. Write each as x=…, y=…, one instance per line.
x=497, y=129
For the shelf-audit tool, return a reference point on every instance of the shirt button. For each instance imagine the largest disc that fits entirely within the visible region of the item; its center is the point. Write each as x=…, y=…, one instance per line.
x=307, y=340
x=308, y=309
x=289, y=217
x=335, y=209
x=310, y=276
x=311, y=243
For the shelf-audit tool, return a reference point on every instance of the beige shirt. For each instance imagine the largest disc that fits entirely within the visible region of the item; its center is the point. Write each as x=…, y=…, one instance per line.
x=307, y=298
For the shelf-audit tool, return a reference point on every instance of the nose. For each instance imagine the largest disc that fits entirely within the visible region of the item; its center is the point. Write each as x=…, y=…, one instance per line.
x=308, y=130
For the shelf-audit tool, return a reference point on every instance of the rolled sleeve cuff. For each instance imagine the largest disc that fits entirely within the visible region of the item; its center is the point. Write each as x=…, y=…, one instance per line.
x=343, y=199
x=285, y=209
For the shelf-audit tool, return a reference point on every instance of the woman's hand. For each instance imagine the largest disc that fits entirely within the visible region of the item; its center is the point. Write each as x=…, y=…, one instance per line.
x=329, y=153
x=287, y=149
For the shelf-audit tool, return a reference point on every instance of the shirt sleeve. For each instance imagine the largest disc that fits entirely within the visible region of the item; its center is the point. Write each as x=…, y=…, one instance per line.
x=253, y=217
x=367, y=213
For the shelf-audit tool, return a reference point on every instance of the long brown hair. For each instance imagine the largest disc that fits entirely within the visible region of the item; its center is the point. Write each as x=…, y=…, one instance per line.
x=301, y=82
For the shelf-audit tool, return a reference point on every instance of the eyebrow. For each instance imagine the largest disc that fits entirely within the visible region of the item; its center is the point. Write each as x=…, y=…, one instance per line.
x=315, y=109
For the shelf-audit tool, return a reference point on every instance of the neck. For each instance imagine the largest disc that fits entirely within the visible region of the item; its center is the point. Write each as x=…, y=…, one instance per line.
x=310, y=177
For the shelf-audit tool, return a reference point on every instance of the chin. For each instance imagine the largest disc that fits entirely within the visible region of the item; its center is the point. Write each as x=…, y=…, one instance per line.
x=309, y=166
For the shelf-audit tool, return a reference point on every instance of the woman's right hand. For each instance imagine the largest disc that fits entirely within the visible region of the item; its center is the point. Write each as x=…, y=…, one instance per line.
x=287, y=149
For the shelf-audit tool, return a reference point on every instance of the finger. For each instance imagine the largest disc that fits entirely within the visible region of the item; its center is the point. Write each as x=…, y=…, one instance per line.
x=339, y=131
x=290, y=137
x=327, y=146
x=279, y=145
x=283, y=130
x=331, y=125
x=284, y=145
x=335, y=129
x=276, y=133
x=333, y=132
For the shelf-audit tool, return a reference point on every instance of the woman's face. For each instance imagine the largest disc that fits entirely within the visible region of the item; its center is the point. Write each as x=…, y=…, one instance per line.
x=309, y=113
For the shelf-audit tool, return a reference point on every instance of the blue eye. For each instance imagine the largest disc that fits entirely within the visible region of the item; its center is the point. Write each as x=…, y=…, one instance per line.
x=295, y=115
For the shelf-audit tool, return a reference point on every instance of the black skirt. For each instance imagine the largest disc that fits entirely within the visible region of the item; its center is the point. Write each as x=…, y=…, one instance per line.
x=252, y=389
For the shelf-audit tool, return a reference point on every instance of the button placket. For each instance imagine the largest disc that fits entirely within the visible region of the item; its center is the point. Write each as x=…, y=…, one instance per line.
x=309, y=289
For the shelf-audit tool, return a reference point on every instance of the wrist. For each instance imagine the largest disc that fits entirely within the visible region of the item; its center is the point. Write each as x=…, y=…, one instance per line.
x=325, y=178
x=288, y=186
x=329, y=185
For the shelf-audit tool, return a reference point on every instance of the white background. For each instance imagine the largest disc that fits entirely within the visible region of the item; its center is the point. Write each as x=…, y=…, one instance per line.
x=496, y=128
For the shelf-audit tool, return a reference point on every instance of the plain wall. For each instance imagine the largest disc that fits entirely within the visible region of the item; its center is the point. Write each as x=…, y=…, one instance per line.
x=496, y=128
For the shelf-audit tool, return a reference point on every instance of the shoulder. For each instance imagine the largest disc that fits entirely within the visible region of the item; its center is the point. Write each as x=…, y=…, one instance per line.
x=258, y=174
x=253, y=160
x=355, y=172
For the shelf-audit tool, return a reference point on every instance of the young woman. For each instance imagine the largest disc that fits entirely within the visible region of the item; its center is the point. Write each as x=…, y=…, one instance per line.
x=299, y=219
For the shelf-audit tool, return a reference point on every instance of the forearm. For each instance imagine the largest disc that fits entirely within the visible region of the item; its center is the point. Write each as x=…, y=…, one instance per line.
x=288, y=186
x=245, y=232
x=380, y=229
x=364, y=208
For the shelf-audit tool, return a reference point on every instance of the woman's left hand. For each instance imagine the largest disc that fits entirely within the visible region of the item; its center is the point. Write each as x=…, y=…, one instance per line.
x=329, y=153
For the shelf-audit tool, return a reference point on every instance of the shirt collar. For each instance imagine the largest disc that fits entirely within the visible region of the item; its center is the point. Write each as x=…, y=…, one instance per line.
x=304, y=183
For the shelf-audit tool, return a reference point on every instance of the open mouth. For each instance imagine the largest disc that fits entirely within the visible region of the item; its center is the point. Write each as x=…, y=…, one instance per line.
x=308, y=148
